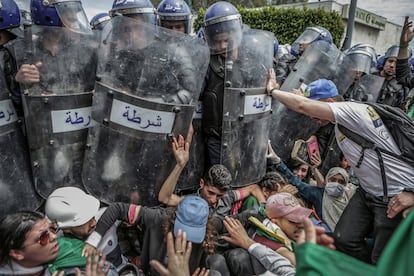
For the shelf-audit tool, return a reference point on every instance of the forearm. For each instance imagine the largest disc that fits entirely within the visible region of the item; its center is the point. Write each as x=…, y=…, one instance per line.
x=403, y=52
x=251, y=190
x=166, y=194
x=301, y=104
x=117, y=211
x=320, y=179
x=271, y=260
x=403, y=73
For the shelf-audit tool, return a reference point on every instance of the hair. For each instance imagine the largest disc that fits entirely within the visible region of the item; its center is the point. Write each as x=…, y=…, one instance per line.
x=338, y=98
x=218, y=176
x=271, y=179
x=209, y=243
x=295, y=164
x=13, y=231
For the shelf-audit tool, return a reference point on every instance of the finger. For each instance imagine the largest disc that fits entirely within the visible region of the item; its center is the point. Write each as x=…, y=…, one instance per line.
x=78, y=271
x=178, y=241
x=184, y=242
x=170, y=245
x=188, y=251
x=159, y=267
x=310, y=232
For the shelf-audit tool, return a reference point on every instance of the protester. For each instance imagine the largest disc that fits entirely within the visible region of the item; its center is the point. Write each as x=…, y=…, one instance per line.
x=368, y=207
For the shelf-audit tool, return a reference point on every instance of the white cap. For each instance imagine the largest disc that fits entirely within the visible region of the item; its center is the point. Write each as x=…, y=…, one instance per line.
x=70, y=207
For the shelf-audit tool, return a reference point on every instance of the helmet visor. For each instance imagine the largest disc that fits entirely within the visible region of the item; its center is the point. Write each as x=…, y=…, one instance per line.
x=224, y=36
x=73, y=16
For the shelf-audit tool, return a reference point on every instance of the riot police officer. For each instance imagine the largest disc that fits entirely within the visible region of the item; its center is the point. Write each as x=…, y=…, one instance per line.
x=16, y=190
x=223, y=32
x=392, y=93
x=174, y=15
x=9, y=31
x=50, y=59
x=363, y=60
x=310, y=35
x=57, y=73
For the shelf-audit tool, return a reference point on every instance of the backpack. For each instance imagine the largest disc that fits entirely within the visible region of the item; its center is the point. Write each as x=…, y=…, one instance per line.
x=401, y=128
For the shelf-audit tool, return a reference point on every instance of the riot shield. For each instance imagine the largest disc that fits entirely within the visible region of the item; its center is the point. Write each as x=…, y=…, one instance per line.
x=247, y=108
x=147, y=91
x=16, y=186
x=368, y=88
x=57, y=109
x=318, y=61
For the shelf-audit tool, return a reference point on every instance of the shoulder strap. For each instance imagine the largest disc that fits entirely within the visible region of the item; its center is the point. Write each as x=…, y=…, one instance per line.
x=368, y=144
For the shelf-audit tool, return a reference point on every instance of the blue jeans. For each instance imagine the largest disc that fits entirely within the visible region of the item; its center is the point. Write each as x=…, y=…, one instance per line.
x=364, y=215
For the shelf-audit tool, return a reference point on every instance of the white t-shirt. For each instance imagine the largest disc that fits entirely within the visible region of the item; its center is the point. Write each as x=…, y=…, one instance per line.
x=362, y=119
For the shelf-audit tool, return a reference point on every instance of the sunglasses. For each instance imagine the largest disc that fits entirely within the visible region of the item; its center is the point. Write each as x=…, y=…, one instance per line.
x=44, y=237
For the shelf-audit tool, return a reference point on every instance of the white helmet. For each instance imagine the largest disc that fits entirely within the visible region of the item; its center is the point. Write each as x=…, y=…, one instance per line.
x=70, y=207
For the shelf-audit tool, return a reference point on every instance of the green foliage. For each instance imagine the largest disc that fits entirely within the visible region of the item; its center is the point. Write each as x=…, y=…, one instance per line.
x=288, y=23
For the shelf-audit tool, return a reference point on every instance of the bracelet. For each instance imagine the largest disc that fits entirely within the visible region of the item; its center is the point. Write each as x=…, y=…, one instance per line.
x=404, y=47
x=271, y=91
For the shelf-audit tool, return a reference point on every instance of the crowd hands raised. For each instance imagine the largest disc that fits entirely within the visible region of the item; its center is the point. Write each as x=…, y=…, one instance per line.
x=262, y=228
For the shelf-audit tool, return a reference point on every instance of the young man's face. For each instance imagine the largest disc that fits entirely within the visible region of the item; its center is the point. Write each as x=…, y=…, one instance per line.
x=83, y=231
x=389, y=66
x=221, y=43
x=210, y=193
x=290, y=228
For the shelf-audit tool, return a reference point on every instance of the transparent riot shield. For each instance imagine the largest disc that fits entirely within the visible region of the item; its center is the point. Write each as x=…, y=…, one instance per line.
x=247, y=108
x=318, y=61
x=146, y=93
x=57, y=109
x=16, y=186
x=367, y=88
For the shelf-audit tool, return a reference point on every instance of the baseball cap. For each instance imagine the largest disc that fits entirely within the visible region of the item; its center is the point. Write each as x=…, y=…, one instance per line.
x=321, y=89
x=191, y=217
x=70, y=207
x=286, y=205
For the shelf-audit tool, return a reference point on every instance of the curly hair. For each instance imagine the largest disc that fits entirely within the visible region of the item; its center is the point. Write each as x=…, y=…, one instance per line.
x=271, y=179
x=13, y=231
x=218, y=176
x=210, y=238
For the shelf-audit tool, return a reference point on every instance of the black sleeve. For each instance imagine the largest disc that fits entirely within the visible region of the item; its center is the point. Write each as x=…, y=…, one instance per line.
x=115, y=211
x=403, y=74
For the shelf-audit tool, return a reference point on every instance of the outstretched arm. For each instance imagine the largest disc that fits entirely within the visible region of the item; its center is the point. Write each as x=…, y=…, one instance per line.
x=298, y=103
x=406, y=36
x=181, y=150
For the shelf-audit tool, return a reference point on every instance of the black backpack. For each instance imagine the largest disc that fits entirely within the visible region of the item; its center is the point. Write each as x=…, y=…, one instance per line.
x=401, y=128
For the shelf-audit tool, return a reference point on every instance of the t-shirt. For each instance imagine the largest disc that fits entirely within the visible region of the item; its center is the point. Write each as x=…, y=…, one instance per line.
x=365, y=121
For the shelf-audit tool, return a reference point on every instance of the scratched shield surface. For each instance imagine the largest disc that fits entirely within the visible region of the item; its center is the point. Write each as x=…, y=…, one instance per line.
x=247, y=108
x=149, y=80
x=57, y=109
x=320, y=60
x=16, y=186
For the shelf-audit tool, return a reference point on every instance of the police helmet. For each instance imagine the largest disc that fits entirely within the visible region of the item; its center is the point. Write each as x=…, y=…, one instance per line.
x=363, y=57
x=222, y=18
x=275, y=47
x=380, y=63
x=99, y=21
x=133, y=8
x=60, y=13
x=70, y=207
x=201, y=34
x=393, y=52
x=411, y=64
x=311, y=34
x=174, y=10
x=9, y=15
